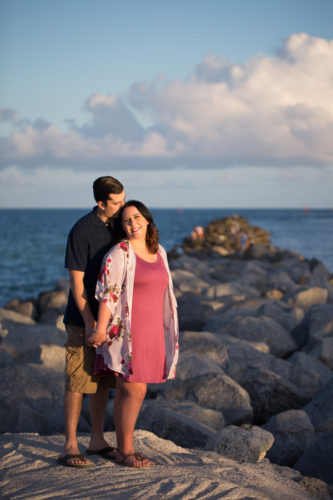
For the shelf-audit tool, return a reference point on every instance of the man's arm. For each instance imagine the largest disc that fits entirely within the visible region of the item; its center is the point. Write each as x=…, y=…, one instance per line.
x=81, y=300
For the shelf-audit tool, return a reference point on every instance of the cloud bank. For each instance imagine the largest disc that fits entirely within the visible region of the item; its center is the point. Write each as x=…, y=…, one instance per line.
x=270, y=111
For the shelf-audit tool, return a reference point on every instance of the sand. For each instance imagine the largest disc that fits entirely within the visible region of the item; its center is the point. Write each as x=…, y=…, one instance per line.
x=29, y=470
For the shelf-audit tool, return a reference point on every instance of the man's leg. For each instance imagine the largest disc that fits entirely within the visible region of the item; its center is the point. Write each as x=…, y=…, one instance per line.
x=97, y=410
x=72, y=407
x=76, y=384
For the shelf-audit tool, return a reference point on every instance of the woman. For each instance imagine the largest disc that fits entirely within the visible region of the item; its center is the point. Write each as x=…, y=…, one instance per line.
x=137, y=321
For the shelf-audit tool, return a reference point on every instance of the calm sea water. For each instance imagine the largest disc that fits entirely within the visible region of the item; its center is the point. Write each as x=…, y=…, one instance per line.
x=32, y=242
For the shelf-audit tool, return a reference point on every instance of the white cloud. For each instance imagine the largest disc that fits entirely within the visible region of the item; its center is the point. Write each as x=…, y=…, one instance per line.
x=269, y=111
x=101, y=101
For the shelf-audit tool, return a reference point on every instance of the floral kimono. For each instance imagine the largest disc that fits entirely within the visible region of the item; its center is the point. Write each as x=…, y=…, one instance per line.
x=115, y=287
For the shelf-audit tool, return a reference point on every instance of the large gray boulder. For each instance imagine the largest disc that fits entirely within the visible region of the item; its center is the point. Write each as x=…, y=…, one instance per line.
x=51, y=304
x=194, y=364
x=280, y=280
x=247, y=443
x=282, y=314
x=212, y=271
x=274, y=384
x=254, y=275
x=322, y=349
x=204, y=343
x=53, y=357
x=23, y=341
x=206, y=416
x=301, y=332
x=231, y=289
x=9, y=318
x=306, y=297
x=37, y=387
x=216, y=391
x=262, y=329
x=233, y=311
x=270, y=393
x=184, y=423
x=187, y=281
x=5, y=358
x=320, y=275
x=224, y=270
x=259, y=251
x=317, y=460
x=24, y=307
x=241, y=355
x=17, y=416
x=320, y=334
x=292, y=431
x=194, y=312
x=307, y=362
x=321, y=321
x=295, y=267
x=320, y=409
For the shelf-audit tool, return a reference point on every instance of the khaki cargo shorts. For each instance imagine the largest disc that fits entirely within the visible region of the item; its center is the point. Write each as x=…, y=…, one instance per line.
x=80, y=359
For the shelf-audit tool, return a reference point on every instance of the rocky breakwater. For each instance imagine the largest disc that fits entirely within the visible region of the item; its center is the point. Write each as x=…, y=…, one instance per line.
x=255, y=376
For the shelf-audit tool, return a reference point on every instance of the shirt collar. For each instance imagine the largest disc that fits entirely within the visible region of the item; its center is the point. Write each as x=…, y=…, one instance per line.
x=98, y=220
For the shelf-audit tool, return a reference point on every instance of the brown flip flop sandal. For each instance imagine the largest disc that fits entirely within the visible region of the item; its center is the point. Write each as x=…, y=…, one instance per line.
x=138, y=457
x=65, y=461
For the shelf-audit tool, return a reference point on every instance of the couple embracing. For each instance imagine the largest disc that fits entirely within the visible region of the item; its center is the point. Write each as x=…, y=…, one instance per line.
x=121, y=322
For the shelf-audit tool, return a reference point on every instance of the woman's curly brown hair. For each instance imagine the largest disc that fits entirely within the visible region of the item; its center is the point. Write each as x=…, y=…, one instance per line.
x=152, y=236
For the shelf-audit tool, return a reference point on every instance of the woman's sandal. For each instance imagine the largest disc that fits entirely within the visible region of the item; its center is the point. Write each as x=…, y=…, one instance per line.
x=139, y=458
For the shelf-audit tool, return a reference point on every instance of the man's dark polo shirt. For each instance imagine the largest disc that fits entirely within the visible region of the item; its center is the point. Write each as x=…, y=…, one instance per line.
x=88, y=241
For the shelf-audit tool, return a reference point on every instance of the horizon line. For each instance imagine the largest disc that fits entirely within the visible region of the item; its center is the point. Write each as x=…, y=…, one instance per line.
x=180, y=208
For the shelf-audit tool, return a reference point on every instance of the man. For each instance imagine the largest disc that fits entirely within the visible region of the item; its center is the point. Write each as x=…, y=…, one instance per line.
x=88, y=241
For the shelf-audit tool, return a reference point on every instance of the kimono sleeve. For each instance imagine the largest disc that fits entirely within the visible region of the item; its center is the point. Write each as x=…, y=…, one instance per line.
x=110, y=281
x=166, y=263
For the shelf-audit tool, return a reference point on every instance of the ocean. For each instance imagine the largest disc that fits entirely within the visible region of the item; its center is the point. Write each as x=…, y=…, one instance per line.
x=33, y=241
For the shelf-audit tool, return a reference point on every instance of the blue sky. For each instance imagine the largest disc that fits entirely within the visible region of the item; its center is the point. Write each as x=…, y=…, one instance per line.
x=195, y=103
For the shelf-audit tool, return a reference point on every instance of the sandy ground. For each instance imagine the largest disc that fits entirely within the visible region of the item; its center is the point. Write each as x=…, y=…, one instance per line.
x=29, y=470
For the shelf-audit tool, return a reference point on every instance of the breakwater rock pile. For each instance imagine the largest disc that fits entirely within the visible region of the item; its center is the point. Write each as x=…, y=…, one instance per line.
x=227, y=236
x=255, y=378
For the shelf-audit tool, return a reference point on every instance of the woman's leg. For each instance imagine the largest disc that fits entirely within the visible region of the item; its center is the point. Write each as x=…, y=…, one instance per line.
x=127, y=404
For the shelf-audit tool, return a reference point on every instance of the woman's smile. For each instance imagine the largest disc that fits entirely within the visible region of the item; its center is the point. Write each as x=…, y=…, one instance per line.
x=134, y=224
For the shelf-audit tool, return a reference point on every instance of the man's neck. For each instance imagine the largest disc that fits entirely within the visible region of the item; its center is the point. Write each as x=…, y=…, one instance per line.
x=101, y=215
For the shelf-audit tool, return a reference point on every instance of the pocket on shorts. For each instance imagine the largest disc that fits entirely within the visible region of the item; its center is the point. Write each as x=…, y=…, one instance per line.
x=74, y=360
x=75, y=337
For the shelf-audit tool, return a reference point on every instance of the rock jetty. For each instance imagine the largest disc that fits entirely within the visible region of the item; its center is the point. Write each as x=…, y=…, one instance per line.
x=254, y=385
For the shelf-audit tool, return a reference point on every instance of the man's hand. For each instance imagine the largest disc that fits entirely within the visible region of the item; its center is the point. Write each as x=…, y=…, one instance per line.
x=96, y=338
x=89, y=328
x=81, y=300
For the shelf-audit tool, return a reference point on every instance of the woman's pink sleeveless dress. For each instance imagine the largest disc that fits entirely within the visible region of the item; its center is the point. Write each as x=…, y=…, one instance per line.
x=148, y=345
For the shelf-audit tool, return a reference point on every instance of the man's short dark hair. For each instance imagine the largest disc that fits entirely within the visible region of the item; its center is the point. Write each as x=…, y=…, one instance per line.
x=104, y=186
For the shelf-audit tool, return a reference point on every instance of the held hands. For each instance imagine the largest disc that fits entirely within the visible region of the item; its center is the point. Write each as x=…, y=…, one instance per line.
x=96, y=338
x=89, y=327
x=98, y=334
